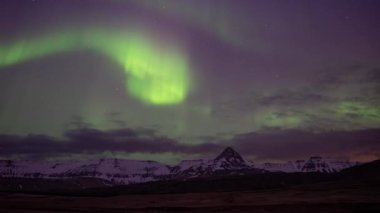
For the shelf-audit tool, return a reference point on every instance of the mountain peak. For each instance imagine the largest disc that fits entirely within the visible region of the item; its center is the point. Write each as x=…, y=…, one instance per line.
x=228, y=152
x=231, y=156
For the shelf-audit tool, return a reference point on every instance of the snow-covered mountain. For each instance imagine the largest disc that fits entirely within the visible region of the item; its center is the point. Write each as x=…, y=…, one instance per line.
x=229, y=162
x=313, y=164
x=288, y=167
x=119, y=171
x=319, y=164
x=115, y=170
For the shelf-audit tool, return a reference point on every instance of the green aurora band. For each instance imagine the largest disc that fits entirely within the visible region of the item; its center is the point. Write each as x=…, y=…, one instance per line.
x=157, y=72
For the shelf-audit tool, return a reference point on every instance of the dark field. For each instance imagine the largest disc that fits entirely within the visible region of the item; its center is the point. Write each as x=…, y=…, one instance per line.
x=322, y=197
x=353, y=190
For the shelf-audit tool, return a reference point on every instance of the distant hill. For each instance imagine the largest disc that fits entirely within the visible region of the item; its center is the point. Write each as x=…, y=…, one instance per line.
x=228, y=171
x=368, y=170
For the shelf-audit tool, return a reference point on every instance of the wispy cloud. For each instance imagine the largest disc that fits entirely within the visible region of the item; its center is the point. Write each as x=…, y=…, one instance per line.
x=93, y=141
x=294, y=144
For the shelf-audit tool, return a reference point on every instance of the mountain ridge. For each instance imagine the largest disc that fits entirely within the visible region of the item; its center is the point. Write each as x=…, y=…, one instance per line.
x=124, y=172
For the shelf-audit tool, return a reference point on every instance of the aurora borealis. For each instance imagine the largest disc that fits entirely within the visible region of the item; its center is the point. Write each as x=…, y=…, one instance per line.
x=156, y=75
x=274, y=79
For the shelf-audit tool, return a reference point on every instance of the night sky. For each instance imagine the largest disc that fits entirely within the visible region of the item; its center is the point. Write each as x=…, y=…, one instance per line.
x=167, y=79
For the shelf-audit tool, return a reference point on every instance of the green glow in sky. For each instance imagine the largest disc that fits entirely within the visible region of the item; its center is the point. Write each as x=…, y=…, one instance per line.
x=157, y=74
x=274, y=119
x=25, y=49
x=359, y=110
x=156, y=71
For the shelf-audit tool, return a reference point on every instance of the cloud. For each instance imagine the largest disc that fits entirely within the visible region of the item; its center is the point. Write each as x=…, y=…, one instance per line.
x=93, y=141
x=291, y=98
x=355, y=82
x=345, y=98
x=353, y=77
x=264, y=145
x=294, y=144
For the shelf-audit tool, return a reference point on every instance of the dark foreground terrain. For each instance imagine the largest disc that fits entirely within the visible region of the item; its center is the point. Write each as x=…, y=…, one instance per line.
x=324, y=197
x=353, y=190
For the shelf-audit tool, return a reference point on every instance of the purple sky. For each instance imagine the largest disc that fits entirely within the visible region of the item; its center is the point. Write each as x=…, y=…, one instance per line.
x=276, y=79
